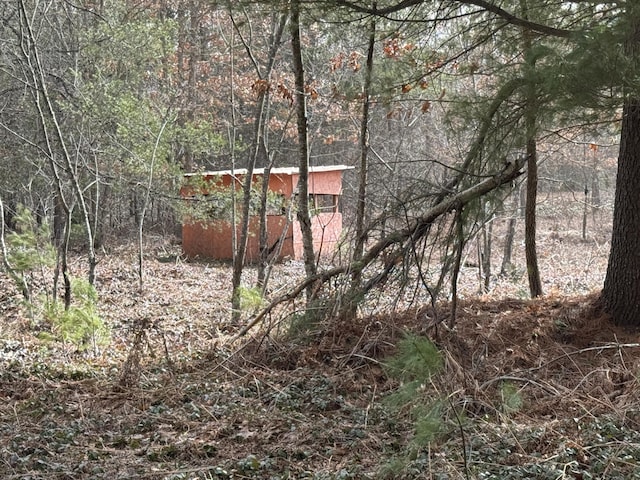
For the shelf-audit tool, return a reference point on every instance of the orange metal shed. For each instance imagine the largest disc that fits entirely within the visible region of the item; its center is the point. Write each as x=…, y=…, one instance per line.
x=213, y=239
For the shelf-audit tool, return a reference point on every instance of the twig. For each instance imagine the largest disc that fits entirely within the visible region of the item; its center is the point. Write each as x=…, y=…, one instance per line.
x=519, y=379
x=583, y=350
x=463, y=438
x=412, y=233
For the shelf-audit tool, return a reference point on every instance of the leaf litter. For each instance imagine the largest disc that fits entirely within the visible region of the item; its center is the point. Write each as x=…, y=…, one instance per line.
x=313, y=406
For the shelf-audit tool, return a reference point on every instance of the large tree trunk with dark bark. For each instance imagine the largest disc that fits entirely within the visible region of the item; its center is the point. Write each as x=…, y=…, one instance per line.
x=507, y=266
x=621, y=293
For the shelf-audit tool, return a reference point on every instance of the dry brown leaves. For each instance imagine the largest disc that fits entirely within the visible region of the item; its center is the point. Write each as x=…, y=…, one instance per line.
x=307, y=403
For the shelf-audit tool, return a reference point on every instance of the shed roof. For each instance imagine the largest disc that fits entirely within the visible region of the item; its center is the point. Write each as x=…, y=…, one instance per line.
x=274, y=171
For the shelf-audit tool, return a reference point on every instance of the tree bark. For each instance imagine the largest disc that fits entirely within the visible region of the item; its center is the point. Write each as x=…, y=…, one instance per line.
x=263, y=261
x=263, y=234
x=485, y=258
x=511, y=233
x=243, y=239
x=621, y=292
x=531, y=120
x=360, y=233
x=52, y=131
x=455, y=272
x=364, y=150
x=188, y=53
x=145, y=205
x=533, y=271
x=259, y=152
x=304, y=218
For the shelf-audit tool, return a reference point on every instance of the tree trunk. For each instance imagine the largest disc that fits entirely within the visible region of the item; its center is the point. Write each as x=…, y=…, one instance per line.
x=585, y=211
x=303, y=215
x=531, y=120
x=243, y=239
x=52, y=132
x=259, y=152
x=455, y=272
x=145, y=205
x=188, y=54
x=231, y=136
x=360, y=233
x=533, y=272
x=485, y=259
x=263, y=261
x=621, y=293
x=63, y=259
x=364, y=150
x=61, y=232
x=596, y=198
x=511, y=233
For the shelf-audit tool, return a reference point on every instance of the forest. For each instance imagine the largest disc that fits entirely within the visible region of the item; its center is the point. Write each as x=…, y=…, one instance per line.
x=319, y=239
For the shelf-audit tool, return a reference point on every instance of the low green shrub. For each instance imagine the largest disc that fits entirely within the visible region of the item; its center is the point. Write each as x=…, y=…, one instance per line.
x=80, y=324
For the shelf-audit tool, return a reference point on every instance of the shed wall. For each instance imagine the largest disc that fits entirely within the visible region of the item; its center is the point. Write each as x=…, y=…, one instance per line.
x=214, y=240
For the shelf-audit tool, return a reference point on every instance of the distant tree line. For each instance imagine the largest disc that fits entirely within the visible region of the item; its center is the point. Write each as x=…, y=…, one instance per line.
x=441, y=107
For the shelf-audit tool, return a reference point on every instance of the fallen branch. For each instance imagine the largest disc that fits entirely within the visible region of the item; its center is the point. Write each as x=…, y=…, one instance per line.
x=413, y=233
x=600, y=348
x=511, y=378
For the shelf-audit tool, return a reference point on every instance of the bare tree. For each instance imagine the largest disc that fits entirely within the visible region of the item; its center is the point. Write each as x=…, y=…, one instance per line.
x=58, y=155
x=360, y=233
x=303, y=214
x=145, y=202
x=401, y=239
x=259, y=151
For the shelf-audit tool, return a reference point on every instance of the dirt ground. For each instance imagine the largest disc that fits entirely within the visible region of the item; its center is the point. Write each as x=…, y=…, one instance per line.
x=544, y=388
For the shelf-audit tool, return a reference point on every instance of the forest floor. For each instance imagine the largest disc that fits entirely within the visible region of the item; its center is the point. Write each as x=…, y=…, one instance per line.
x=543, y=388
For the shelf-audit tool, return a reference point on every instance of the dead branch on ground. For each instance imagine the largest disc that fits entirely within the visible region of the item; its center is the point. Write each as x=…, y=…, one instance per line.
x=414, y=232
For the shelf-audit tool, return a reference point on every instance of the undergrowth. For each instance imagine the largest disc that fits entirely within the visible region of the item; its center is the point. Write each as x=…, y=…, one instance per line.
x=518, y=390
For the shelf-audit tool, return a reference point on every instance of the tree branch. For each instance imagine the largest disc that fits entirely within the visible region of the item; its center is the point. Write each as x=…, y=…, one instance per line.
x=486, y=5
x=414, y=232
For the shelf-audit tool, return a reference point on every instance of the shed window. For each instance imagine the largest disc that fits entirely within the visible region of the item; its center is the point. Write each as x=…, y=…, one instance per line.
x=324, y=203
